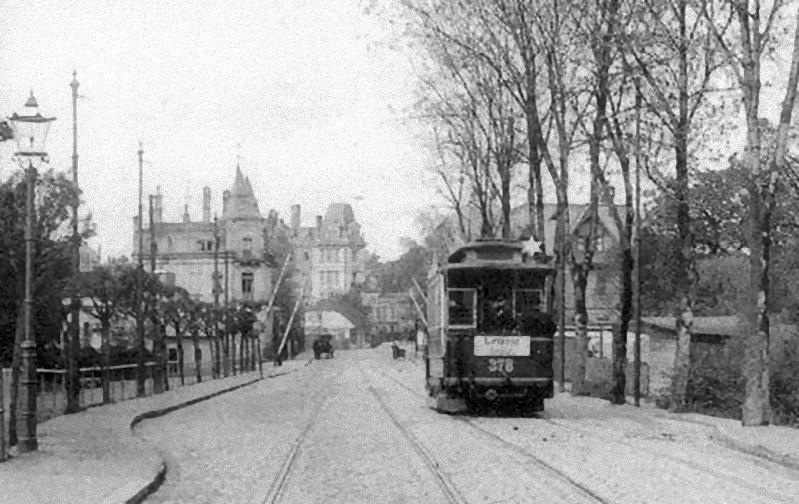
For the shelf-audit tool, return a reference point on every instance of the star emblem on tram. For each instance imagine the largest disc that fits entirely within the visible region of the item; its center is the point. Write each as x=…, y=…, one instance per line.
x=532, y=246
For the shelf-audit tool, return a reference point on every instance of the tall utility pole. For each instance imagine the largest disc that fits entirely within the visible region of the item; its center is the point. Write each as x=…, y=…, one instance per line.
x=230, y=357
x=73, y=342
x=637, y=270
x=216, y=294
x=158, y=370
x=140, y=368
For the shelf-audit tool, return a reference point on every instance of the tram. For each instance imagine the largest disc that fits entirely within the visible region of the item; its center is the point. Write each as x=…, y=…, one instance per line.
x=491, y=328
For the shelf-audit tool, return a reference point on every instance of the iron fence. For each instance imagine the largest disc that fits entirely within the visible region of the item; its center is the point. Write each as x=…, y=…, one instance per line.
x=51, y=398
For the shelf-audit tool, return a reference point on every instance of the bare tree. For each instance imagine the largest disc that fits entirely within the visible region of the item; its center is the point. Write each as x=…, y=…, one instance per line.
x=669, y=44
x=744, y=48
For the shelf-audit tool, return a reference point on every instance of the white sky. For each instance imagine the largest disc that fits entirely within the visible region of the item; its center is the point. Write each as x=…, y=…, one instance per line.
x=305, y=87
x=308, y=88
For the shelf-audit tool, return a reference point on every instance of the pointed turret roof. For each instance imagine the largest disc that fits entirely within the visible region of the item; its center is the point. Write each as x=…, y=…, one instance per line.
x=242, y=203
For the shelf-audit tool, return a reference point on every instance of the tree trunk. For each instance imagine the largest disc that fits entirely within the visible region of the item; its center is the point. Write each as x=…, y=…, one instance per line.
x=757, y=402
x=686, y=277
x=617, y=393
x=217, y=355
x=756, y=408
x=105, y=334
x=226, y=352
x=198, y=354
x=213, y=350
x=580, y=282
x=682, y=356
x=158, y=369
x=242, y=353
x=179, y=339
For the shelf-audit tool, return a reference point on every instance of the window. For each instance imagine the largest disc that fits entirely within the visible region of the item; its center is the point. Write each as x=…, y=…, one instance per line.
x=462, y=303
x=247, y=243
x=307, y=256
x=336, y=278
x=526, y=301
x=246, y=283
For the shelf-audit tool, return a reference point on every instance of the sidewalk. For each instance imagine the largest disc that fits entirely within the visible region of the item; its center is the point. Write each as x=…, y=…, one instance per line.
x=777, y=444
x=92, y=456
x=774, y=443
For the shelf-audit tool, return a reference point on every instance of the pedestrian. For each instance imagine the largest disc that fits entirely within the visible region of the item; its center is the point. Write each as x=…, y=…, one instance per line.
x=421, y=337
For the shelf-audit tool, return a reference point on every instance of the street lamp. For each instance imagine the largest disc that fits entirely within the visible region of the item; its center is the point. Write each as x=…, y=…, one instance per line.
x=30, y=132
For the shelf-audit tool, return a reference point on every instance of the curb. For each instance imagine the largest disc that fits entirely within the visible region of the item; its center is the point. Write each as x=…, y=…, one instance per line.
x=730, y=442
x=160, y=476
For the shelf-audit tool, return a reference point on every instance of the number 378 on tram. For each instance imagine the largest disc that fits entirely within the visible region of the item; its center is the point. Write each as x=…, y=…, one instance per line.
x=491, y=329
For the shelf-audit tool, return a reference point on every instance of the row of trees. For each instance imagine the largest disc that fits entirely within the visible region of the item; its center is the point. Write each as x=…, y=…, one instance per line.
x=511, y=88
x=109, y=295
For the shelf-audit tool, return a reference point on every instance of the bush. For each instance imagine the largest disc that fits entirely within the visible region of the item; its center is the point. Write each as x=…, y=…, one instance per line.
x=784, y=384
x=716, y=386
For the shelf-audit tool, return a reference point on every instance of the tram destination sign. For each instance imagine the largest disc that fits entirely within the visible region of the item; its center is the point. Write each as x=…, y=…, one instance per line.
x=515, y=346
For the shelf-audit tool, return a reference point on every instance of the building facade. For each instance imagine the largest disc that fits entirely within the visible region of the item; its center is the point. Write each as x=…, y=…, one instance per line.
x=602, y=291
x=328, y=254
x=186, y=251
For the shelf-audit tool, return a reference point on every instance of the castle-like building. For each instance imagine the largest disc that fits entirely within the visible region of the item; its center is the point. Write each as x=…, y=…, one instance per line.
x=328, y=254
x=185, y=250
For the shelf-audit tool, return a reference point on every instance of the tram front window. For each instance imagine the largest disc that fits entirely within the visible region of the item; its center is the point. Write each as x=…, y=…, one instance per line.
x=461, y=307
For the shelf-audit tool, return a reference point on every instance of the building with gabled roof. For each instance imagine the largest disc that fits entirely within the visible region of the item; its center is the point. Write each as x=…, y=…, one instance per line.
x=328, y=254
x=185, y=249
x=602, y=291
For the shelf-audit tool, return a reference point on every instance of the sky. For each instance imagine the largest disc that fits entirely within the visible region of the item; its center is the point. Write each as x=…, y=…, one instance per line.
x=306, y=93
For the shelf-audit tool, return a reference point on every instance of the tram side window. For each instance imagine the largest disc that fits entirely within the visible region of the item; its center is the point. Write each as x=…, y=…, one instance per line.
x=461, y=307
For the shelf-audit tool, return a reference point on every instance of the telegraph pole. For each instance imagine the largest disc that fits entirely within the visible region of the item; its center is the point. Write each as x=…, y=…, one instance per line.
x=230, y=362
x=637, y=270
x=73, y=342
x=216, y=294
x=140, y=368
x=158, y=370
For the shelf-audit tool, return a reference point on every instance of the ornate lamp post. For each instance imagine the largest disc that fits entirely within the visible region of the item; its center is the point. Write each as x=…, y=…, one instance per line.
x=30, y=131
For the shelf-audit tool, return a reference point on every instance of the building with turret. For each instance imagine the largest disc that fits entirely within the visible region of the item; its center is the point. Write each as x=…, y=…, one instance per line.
x=185, y=250
x=328, y=254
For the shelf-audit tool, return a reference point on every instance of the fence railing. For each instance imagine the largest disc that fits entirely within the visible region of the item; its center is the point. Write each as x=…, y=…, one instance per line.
x=51, y=398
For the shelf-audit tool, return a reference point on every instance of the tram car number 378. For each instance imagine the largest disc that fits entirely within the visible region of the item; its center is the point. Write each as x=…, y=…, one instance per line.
x=490, y=329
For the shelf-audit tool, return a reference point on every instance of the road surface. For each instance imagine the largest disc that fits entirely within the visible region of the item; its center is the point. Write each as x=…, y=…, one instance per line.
x=356, y=429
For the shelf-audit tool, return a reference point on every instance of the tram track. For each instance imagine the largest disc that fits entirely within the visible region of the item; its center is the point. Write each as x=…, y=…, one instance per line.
x=449, y=490
x=535, y=460
x=279, y=482
x=722, y=475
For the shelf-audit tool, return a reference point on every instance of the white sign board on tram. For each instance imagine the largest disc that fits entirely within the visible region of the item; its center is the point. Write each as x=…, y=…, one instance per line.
x=511, y=346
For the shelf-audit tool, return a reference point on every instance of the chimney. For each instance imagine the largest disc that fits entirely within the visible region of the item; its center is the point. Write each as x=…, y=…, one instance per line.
x=319, y=224
x=206, y=204
x=225, y=200
x=158, y=209
x=295, y=217
x=186, y=217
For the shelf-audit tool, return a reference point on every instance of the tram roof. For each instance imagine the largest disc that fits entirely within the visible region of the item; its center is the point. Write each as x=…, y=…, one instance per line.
x=504, y=254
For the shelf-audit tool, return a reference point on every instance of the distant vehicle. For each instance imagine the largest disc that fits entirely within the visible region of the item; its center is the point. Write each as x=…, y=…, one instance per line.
x=490, y=329
x=323, y=345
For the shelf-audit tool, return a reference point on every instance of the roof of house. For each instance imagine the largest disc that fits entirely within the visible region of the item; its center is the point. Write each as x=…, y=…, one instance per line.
x=339, y=213
x=329, y=305
x=577, y=215
x=718, y=326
